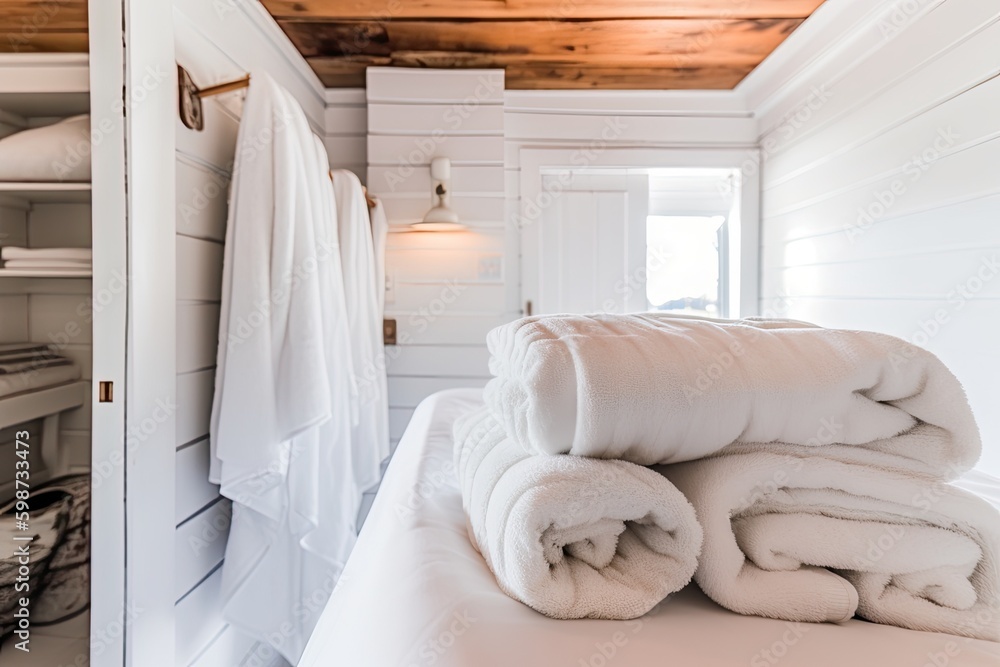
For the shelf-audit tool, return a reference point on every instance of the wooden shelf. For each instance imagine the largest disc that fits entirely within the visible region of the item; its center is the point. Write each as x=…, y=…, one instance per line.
x=47, y=193
x=30, y=405
x=46, y=273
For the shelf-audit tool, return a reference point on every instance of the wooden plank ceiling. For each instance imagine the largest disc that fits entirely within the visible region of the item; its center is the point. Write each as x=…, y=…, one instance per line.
x=642, y=44
x=32, y=26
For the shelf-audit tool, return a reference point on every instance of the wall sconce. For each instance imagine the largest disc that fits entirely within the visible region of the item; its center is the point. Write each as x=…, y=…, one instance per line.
x=440, y=218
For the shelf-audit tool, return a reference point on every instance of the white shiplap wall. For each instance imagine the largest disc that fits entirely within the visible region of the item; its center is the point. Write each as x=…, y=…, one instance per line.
x=445, y=289
x=203, y=173
x=346, y=130
x=881, y=195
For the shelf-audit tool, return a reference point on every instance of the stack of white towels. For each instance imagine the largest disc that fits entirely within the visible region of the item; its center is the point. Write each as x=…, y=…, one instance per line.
x=47, y=259
x=795, y=472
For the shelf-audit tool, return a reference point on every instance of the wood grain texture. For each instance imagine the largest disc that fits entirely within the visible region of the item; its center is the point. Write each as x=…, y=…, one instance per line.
x=541, y=75
x=563, y=76
x=544, y=9
x=595, y=44
x=38, y=26
x=655, y=42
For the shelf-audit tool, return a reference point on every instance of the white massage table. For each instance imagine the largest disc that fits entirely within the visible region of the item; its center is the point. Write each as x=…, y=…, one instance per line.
x=416, y=593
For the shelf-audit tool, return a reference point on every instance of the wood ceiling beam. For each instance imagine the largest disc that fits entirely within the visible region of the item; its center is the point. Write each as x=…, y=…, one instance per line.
x=30, y=16
x=575, y=77
x=649, y=43
x=350, y=73
x=538, y=9
x=45, y=42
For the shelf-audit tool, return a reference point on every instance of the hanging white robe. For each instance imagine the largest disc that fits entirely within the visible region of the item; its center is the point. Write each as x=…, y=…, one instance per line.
x=280, y=434
x=370, y=439
x=380, y=232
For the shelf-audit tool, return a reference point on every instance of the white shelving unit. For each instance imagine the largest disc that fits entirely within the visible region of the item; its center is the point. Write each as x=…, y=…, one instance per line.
x=47, y=193
x=46, y=404
x=34, y=89
x=31, y=405
x=45, y=273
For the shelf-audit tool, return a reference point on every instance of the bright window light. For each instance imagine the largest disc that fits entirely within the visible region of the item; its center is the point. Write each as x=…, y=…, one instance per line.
x=683, y=263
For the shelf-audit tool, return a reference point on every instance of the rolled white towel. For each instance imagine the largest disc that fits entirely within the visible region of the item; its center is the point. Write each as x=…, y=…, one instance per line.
x=652, y=388
x=572, y=537
x=810, y=539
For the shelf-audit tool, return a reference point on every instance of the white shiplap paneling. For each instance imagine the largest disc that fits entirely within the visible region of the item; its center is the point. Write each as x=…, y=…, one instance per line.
x=880, y=206
x=447, y=289
x=346, y=129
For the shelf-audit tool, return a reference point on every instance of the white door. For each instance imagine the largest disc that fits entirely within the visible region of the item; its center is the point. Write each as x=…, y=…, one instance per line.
x=584, y=249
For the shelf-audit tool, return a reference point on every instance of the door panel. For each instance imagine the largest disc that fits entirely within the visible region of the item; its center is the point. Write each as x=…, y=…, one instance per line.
x=587, y=250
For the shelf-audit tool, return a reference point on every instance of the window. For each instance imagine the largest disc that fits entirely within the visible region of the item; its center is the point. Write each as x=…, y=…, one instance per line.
x=684, y=260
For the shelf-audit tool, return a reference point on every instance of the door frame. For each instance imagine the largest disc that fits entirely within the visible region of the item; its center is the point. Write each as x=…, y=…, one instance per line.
x=743, y=267
x=109, y=616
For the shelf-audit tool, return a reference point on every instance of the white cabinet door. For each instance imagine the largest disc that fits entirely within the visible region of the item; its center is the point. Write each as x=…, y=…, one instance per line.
x=585, y=249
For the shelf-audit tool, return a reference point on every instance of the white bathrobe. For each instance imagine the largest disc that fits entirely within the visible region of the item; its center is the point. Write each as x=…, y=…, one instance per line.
x=380, y=233
x=280, y=420
x=370, y=437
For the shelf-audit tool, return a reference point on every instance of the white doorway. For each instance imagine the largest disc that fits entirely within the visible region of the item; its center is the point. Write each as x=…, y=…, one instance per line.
x=619, y=239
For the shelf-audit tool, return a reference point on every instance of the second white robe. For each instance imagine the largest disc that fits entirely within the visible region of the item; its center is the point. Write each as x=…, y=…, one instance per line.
x=370, y=439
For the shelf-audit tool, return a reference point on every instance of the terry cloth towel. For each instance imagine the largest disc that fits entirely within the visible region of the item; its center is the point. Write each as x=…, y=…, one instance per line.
x=812, y=539
x=572, y=537
x=47, y=264
x=654, y=389
x=370, y=418
x=84, y=255
x=280, y=425
x=57, y=152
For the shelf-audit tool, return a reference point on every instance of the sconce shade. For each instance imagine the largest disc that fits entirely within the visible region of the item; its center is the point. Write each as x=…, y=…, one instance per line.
x=440, y=218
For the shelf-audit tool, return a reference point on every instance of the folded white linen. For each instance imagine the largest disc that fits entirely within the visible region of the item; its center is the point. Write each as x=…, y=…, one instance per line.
x=652, y=388
x=57, y=152
x=572, y=537
x=18, y=253
x=48, y=264
x=811, y=539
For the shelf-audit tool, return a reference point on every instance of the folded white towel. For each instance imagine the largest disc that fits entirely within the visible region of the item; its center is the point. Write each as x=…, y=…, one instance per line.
x=661, y=389
x=573, y=537
x=57, y=152
x=810, y=539
x=38, y=254
x=48, y=264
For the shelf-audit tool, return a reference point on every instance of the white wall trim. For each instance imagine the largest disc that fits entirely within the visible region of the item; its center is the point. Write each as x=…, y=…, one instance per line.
x=44, y=72
x=839, y=31
x=225, y=24
x=722, y=103
x=345, y=97
x=273, y=33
